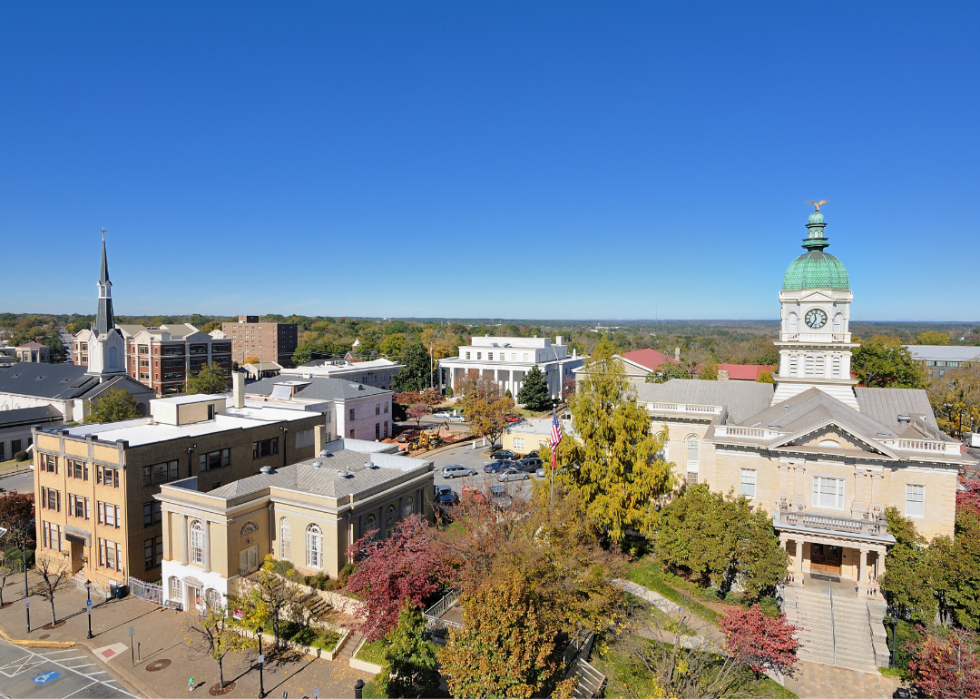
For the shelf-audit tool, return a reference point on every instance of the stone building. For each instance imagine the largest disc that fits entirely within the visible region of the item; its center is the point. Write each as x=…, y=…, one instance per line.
x=308, y=513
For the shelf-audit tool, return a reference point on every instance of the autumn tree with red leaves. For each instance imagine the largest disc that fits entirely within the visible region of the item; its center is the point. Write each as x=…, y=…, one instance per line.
x=17, y=517
x=969, y=499
x=945, y=666
x=419, y=411
x=402, y=567
x=760, y=642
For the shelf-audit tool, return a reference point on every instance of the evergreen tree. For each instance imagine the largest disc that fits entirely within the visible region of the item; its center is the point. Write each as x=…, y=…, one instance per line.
x=409, y=668
x=907, y=583
x=416, y=375
x=114, y=406
x=534, y=392
x=883, y=362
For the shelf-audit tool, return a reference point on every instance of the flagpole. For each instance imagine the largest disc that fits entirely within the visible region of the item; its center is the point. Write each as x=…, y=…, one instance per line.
x=554, y=465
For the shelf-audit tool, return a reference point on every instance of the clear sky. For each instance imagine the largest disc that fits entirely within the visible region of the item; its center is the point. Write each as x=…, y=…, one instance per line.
x=487, y=159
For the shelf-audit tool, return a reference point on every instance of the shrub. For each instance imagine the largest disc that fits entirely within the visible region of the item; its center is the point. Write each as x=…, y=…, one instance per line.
x=21, y=456
x=761, y=642
x=344, y=574
x=318, y=581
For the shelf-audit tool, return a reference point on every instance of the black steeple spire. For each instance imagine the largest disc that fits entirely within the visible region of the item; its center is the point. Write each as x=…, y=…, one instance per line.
x=104, y=320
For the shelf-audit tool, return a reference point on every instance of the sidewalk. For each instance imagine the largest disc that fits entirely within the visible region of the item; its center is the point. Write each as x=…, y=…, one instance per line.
x=166, y=658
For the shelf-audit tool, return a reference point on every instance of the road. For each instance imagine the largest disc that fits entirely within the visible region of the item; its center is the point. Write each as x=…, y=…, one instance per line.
x=21, y=483
x=475, y=459
x=54, y=674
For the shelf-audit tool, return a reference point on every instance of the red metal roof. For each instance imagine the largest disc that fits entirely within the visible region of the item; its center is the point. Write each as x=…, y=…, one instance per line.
x=744, y=372
x=649, y=359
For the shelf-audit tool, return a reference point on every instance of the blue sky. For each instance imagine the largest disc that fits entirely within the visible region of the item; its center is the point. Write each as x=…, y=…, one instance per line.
x=519, y=160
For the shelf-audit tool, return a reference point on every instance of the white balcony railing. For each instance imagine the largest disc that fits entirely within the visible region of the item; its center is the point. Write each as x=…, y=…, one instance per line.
x=684, y=408
x=815, y=337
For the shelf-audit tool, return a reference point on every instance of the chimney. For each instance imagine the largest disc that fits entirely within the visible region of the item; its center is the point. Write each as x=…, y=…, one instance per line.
x=574, y=353
x=319, y=439
x=238, y=389
x=677, y=354
x=558, y=340
x=723, y=374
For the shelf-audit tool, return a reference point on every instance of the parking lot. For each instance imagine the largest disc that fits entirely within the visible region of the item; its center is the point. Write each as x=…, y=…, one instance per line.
x=54, y=674
x=474, y=458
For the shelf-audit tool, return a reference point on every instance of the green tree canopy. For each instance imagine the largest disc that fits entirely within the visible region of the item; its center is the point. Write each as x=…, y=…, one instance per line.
x=534, y=392
x=416, y=375
x=667, y=371
x=114, y=406
x=908, y=581
x=882, y=362
x=410, y=664
x=932, y=337
x=211, y=379
x=393, y=345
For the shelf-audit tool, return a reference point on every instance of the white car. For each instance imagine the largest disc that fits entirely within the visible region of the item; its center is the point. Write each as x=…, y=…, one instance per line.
x=441, y=416
x=457, y=472
x=457, y=418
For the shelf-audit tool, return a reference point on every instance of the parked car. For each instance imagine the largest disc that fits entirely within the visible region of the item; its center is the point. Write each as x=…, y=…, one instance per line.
x=540, y=472
x=529, y=464
x=512, y=474
x=497, y=466
x=457, y=471
x=441, y=415
x=457, y=418
x=513, y=418
x=444, y=495
x=499, y=497
x=408, y=435
x=472, y=491
x=503, y=455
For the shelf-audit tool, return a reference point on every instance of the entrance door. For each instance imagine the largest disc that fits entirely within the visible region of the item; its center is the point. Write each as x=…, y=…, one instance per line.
x=77, y=551
x=825, y=559
x=193, y=598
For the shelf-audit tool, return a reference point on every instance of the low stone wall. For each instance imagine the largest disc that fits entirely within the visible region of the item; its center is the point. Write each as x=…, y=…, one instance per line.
x=342, y=603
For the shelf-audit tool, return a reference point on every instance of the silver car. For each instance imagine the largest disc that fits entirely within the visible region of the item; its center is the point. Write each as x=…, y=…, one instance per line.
x=457, y=472
x=512, y=474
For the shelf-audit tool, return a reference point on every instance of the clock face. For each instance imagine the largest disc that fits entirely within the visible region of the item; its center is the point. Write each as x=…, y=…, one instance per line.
x=815, y=318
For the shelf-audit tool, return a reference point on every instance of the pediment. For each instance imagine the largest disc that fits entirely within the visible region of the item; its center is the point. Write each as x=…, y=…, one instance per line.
x=833, y=438
x=815, y=296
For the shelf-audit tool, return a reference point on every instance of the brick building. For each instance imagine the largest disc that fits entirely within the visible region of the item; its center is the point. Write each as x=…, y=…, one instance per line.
x=270, y=342
x=95, y=483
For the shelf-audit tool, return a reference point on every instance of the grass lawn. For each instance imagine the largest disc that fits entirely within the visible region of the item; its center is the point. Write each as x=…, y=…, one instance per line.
x=12, y=465
x=372, y=653
x=629, y=677
x=647, y=572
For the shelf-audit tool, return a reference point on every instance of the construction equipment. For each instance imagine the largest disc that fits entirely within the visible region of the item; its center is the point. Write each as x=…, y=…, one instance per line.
x=426, y=441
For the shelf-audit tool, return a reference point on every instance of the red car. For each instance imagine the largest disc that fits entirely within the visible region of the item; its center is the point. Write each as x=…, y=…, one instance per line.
x=471, y=491
x=513, y=418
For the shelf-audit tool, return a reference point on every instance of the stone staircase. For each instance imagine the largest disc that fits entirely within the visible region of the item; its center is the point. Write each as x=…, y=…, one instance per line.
x=350, y=646
x=591, y=682
x=836, y=626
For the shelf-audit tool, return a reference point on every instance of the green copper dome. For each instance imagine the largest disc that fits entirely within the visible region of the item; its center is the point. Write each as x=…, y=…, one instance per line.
x=816, y=269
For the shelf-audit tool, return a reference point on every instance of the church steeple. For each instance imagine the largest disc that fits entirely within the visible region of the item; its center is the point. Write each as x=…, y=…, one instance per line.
x=104, y=320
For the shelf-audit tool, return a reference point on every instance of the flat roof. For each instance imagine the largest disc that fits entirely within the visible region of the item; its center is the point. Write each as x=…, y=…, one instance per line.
x=948, y=353
x=196, y=398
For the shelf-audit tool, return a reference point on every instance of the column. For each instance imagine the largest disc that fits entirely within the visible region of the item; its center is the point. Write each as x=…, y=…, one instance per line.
x=799, y=481
x=184, y=553
x=877, y=482
x=207, y=546
x=510, y=383
x=784, y=493
x=863, y=566
x=859, y=504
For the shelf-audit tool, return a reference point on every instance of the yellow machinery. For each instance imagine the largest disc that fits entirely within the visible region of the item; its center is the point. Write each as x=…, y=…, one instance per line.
x=426, y=441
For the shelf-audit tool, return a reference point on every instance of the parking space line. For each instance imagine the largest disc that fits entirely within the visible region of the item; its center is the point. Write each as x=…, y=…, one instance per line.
x=80, y=689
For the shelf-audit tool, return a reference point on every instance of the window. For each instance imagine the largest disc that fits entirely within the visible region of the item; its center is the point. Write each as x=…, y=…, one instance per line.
x=377, y=408
x=839, y=323
x=176, y=594
x=152, y=513
x=52, y=535
x=794, y=365
x=525, y=356
x=692, y=477
x=109, y=515
x=467, y=355
x=809, y=365
x=173, y=351
x=314, y=547
x=408, y=506
x=225, y=457
x=110, y=555
x=351, y=414
x=490, y=356
x=794, y=323
x=386, y=408
x=144, y=349
x=48, y=463
x=153, y=552
x=693, y=447
x=518, y=442
x=386, y=430
x=377, y=430
x=159, y=473
x=77, y=469
x=51, y=499
x=266, y=447
x=821, y=370
x=198, y=349
x=107, y=476
x=285, y=540
x=370, y=524
x=79, y=507
x=748, y=483
x=248, y=559
x=197, y=542
x=352, y=434
x=915, y=496
x=835, y=365
x=479, y=355
x=828, y=493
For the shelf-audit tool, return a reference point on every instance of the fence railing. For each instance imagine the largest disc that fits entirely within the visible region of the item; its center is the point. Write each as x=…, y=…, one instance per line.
x=434, y=623
x=147, y=591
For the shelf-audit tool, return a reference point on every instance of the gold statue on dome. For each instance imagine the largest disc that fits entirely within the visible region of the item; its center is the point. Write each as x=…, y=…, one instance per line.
x=818, y=204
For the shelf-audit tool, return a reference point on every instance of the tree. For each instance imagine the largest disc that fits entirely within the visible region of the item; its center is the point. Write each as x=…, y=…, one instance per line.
x=52, y=577
x=615, y=464
x=945, y=665
x=17, y=517
x=211, y=327
x=403, y=566
x=761, y=642
x=568, y=388
x=667, y=371
x=907, y=583
x=416, y=374
x=214, y=634
x=883, y=362
x=489, y=418
x=410, y=664
x=506, y=648
x=393, y=345
x=708, y=372
x=955, y=399
x=419, y=411
x=765, y=377
x=932, y=337
x=273, y=595
x=114, y=406
x=719, y=540
x=534, y=393
x=954, y=568
x=251, y=359
x=210, y=380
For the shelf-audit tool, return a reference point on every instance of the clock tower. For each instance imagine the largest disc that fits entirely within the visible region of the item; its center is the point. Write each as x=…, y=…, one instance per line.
x=814, y=338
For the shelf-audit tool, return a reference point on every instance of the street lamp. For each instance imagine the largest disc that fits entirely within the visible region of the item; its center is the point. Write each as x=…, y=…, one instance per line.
x=88, y=606
x=285, y=431
x=27, y=593
x=258, y=633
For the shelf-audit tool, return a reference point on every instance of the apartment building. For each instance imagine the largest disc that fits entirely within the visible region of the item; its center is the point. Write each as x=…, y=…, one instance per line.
x=270, y=342
x=162, y=358
x=95, y=484
x=308, y=513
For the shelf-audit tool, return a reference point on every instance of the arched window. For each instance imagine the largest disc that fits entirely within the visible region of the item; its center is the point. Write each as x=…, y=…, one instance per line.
x=113, y=358
x=175, y=590
x=693, y=447
x=212, y=598
x=829, y=443
x=408, y=506
x=391, y=514
x=794, y=365
x=249, y=528
x=794, y=323
x=314, y=547
x=285, y=540
x=839, y=323
x=370, y=524
x=197, y=542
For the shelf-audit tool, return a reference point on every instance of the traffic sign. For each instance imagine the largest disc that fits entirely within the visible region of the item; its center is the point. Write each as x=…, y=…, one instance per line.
x=88, y=603
x=47, y=677
x=132, y=630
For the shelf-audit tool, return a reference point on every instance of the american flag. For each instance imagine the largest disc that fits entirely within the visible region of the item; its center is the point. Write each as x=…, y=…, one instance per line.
x=555, y=432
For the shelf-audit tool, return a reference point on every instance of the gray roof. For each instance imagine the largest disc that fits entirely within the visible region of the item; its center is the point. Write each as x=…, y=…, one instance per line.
x=318, y=388
x=29, y=416
x=60, y=381
x=813, y=407
x=947, y=353
x=326, y=479
x=741, y=398
x=885, y=404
